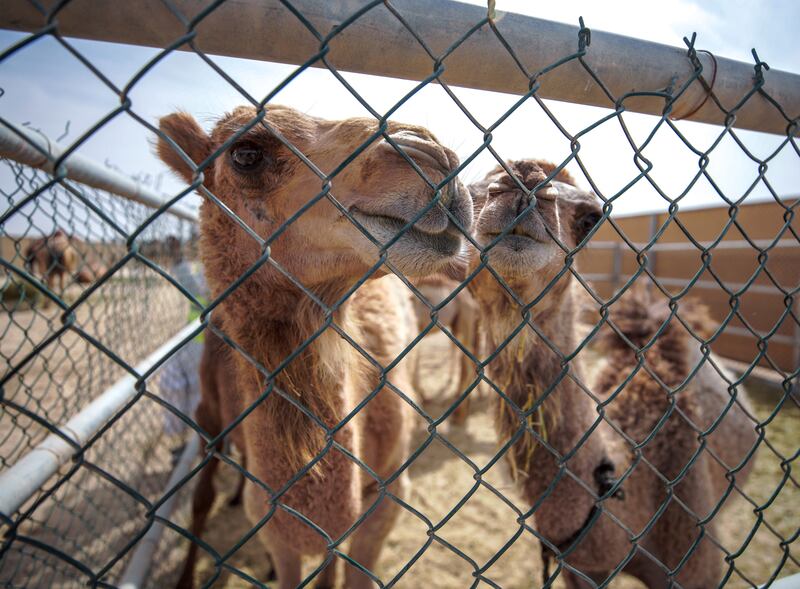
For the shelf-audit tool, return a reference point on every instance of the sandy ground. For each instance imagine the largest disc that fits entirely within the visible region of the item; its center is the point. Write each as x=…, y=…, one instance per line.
x=90, y=517
x=485, y=526
x=130, y=317
x=93, y=517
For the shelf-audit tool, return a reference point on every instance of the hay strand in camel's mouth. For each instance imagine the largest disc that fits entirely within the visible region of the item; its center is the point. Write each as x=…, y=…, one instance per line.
x=536, y=421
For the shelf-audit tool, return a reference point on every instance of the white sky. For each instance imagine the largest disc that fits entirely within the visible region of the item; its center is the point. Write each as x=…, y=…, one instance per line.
x=46, y=86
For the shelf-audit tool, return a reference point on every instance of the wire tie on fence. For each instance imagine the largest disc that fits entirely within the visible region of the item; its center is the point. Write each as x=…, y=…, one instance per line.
x=709, y=88
x=759, y=67
x=584, y=35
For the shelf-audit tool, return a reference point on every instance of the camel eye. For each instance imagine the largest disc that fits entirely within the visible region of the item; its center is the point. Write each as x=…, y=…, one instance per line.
x=246, y=157
x=585, y=224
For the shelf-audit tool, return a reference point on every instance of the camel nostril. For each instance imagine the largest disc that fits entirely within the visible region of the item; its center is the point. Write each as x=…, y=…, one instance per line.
x=605, y=479
x=523, y=203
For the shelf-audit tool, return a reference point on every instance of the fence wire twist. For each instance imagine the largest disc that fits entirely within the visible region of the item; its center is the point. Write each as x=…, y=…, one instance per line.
x=82, y=527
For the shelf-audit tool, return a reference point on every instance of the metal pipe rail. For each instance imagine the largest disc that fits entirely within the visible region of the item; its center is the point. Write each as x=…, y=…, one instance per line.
x=38, y=151
x=27, y=475
x=138, y=567
x=682, y=283
x=681, y=246
x=378, y=43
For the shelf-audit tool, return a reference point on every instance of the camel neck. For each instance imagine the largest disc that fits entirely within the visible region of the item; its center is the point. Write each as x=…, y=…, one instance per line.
x=533, y=371
x=299, y=375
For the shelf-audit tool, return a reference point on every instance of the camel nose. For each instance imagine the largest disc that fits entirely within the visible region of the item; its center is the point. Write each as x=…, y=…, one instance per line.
x=424, y=150
x=544, y=196
x=548, y=192
x=523, y=202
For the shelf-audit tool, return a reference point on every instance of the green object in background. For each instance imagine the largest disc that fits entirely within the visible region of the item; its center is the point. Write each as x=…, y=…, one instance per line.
x=194, y=313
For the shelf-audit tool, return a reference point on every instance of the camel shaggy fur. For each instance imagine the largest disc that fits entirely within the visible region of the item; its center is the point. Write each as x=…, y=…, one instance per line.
x=300, y=363
x=703, y=437
x=219, y=406
x=567, y=458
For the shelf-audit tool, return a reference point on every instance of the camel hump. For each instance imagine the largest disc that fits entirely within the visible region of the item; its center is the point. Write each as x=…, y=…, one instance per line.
x=640, y=315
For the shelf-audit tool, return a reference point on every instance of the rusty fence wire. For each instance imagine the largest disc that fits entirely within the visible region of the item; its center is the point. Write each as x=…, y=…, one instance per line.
x=89, y=293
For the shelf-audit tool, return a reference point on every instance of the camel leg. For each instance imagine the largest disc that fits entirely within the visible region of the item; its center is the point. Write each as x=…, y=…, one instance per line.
x=49, y=280
x=286, y=562
x=327, y=578
x=368, y=539
x=202, y=501
x=236, y=498
x=415, y=380
x=465, y=332
x=204, y=495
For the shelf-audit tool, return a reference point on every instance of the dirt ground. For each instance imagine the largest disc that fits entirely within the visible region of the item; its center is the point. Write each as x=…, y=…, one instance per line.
x=88, y=518
x=484, y=525
x=68, y=371
x=78, y=519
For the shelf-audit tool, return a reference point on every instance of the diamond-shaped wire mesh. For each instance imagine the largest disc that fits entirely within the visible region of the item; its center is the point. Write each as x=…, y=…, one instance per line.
x=409, y=381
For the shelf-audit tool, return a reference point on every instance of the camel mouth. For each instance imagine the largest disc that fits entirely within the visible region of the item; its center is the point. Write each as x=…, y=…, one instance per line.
x=519, y=254
x=514, y=241
x=384, y=228
x=520, y=236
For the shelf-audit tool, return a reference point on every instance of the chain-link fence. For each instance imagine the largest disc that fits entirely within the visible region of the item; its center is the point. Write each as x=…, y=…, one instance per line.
x=595, y=435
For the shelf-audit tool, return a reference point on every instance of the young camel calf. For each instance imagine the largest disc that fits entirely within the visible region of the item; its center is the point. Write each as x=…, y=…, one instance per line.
x=591, y=530
x=269, y=316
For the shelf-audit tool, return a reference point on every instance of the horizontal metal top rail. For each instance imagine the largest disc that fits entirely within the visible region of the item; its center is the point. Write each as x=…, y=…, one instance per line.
x=21, y=145
x=681, y=246
x=378, y=43
x=763, y=289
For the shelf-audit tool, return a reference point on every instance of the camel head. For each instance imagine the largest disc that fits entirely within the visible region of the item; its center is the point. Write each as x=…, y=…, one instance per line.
x=265, y=183
x=527, y=256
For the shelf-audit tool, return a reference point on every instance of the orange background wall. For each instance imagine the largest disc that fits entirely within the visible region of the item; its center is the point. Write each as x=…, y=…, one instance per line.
x=763, y=311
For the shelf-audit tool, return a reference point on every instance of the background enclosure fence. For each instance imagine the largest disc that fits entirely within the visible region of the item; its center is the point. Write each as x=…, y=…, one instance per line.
x=85, y=355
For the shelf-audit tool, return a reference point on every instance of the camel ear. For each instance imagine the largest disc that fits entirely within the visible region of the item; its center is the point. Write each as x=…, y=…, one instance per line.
x=184, y=130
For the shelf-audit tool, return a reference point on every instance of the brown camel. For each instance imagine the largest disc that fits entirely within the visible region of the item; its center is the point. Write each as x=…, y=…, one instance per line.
x=56, y=257
x=705, y=427
x=460, y=317
x=566, y=457
x=312, y=489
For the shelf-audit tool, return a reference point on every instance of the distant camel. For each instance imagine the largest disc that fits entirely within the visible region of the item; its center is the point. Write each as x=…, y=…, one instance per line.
x=55, y=256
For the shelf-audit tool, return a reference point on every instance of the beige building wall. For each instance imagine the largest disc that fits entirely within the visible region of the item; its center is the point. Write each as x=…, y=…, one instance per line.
x=733, y=264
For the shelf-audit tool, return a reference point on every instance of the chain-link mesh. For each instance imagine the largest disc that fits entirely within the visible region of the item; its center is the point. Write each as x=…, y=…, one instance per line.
x=89, y=289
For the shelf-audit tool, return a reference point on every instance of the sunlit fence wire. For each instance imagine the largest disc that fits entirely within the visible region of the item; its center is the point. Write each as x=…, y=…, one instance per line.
x=88, y=294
